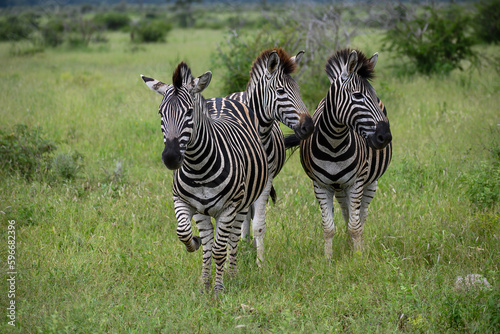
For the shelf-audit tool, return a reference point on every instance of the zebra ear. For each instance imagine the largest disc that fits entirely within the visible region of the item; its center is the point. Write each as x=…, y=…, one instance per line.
x=298, y=57
x=272, y=62
x=351, y=65
x=155, y=85
x=200, y=83
x=352, y=62
x=373, y=59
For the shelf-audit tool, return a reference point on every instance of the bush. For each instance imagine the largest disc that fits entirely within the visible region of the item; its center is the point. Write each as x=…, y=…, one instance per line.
x=25, y=150
x=487, y=21
x=52, y=32
x=151, y=31
x=435, y=41
x=472, y=311
x=237, y=59
x=67, y=165
x=317, y=29
x=113, y=20
x=16, y=28
x=482, y=182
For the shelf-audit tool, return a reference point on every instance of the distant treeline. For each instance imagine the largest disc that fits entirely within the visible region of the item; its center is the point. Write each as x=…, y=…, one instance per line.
x=52, y=3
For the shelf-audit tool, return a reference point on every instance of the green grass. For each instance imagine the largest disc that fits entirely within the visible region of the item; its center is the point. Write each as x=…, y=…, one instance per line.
x=99, y=253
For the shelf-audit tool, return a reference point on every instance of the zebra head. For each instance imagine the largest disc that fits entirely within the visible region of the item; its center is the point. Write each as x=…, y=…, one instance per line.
x=352, y=100
x=279, y=92
x=179, y=111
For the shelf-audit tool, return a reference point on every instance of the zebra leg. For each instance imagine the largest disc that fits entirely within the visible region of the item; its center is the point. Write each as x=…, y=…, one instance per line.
x=341, y=197
x=206, y=229
x=245, y=230
x=325, y=200
x=219, y=249
x=234, y=238
x=184, y=212
x=368, y=195
x=355, y=225
x=259, y=220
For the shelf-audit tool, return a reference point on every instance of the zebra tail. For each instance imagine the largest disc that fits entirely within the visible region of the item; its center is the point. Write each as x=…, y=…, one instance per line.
x=291, y=141
x=273, y=195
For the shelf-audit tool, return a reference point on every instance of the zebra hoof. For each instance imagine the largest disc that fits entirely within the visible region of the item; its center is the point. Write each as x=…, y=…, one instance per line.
x=218, y=288
x=195, y=244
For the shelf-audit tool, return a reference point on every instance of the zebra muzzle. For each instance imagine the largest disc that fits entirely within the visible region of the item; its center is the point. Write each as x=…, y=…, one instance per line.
x=305, y=127
x=381, y=137
x=172, y=156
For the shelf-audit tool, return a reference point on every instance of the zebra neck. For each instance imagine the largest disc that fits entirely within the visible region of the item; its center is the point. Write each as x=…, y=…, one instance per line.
x=255, y=99
x=329, y=128
x=203, y=145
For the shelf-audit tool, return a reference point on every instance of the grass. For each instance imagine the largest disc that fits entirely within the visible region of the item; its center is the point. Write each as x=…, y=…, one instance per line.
x=99, y=253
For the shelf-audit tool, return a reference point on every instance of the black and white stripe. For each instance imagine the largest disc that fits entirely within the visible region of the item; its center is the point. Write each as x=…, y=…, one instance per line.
x=219, y=165
x=274, y=96
x=350, y=147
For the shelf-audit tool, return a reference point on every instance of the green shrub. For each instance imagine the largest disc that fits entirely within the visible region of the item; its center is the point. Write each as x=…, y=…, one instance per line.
x=150, y=31
x=67, y=165
x=27, y=47
x=472, y=311
x=435, y=41
x=237, y=58
x=316, y=29
x=482, y=182
x=25, y=150
x=15, y=27
x=487, y=21
x=113, y=20
x=52, y=32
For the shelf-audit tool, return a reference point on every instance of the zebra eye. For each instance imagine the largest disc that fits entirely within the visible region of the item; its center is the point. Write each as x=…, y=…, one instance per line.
x=358, y=96
x=280, y=91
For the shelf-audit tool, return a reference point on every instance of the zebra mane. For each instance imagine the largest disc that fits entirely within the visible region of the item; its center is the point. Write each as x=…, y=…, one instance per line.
x=338, y=60
x=286, y=63
x=182, y=75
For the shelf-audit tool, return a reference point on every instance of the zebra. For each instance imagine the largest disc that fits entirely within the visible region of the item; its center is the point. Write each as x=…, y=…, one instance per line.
x=274, y=96
x=350, y=148
x=220, y=167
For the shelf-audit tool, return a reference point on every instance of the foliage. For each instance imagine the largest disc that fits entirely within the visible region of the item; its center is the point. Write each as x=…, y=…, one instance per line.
x=25, y=150
x=237, y=59
x=487, y=21
x=113, y=20
x=301, y=28
x=184, y=9
x=81, y=31
x=16, y=27
x=482, y=182
x=67, y=165
x=151, y=30
x=52, y=32
x=99, y=253
x=472, y=311
x=435, y=41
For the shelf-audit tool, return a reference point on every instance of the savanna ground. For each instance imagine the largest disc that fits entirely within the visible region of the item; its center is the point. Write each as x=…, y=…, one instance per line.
x=98, y=252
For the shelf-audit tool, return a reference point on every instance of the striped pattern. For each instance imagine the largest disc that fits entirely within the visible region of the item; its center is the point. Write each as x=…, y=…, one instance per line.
x=350, y=148
x=274, y=96
x=220, y=165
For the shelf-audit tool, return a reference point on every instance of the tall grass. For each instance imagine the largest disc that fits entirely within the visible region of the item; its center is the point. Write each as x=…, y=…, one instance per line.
x=99, y=252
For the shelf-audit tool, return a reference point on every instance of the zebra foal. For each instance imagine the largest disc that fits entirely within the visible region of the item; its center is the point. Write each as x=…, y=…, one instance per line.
x=350, y=147
x=274, y=96
x=219, y=165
